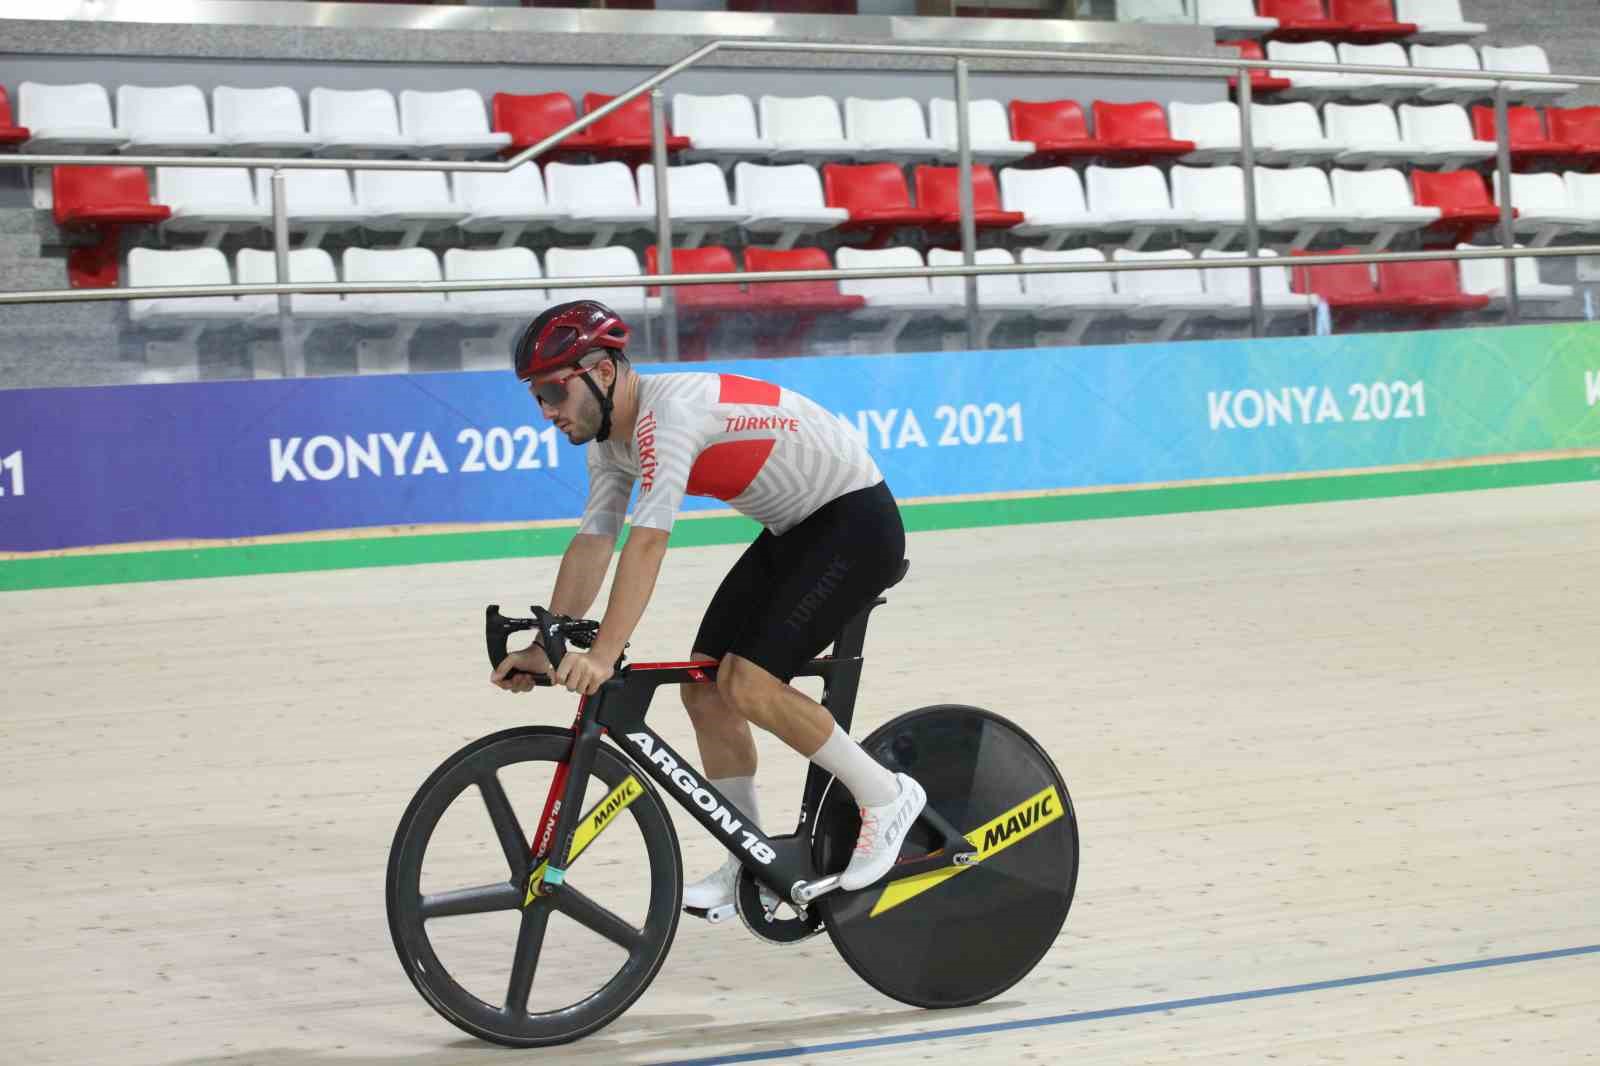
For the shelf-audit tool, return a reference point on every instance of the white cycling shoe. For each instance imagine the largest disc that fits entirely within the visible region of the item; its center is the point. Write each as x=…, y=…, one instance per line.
x=712, y=897
x=883, y=833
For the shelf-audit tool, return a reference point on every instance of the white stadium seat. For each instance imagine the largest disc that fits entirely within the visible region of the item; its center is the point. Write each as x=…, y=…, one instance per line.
x=410, y=201
x=1544, y=209
x=719, y=127
x=1378, y=202
x=318, y=200
x=1000, y=296
x=1487, y=277
x=892, y=301
x=504, y=204
x=357, y=124
x=73, y=119
x=1078, y=299
x=194, y=266
x=256, y=122
x=1441, y=89
x=889, y=128
x=598, y=199
x=210, y=201
x=614, y=261
x=1052, y=202
x=1132, y=200
x=1440, y=135
x=165, y=120
x=697, y=200
x=805, y=128
x=1169, y=298
x=988, y=131
x=783, y=201
x=1212, y=199
x=1291, y=135
x=1384, y=88
x=1369, y=136
x=1313, y=85
x=311, y=265
x=1437, y=21
x=451, y=124
x=1297, y=202
x=1213, y=127
x=1526, y=59
x=1233, y=17
x=1277, y=300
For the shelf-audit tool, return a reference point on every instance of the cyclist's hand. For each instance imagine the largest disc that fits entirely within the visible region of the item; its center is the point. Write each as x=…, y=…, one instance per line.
x=582, y=673
x=531, y=659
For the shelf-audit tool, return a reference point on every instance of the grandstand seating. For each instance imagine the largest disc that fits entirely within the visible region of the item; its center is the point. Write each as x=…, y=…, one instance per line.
x=1148, y=178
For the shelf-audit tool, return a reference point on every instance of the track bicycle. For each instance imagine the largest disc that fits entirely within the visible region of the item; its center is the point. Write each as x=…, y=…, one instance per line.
x=981, y=888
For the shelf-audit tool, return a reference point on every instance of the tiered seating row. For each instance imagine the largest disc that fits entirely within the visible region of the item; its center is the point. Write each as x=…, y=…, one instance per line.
x=1354, y=20
x=1060, y=306
x=372, y=123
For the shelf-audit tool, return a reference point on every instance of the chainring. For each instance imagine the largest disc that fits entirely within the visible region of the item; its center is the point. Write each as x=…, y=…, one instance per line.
x=783, y=923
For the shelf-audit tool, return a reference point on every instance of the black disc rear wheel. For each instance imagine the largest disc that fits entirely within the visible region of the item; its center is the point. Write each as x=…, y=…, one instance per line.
x=964, y=934
x=522, y=973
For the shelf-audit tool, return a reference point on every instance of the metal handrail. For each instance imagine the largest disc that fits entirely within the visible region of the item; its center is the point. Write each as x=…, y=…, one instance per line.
x=774, y=277
x=969, y=270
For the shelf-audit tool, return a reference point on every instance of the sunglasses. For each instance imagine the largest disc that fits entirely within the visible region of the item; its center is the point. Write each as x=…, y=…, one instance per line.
x=553, y=393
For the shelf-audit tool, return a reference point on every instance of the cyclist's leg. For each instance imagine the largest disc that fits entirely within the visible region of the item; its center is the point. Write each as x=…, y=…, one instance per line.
x=727, y=749
x=825, y=570
x=828, y=568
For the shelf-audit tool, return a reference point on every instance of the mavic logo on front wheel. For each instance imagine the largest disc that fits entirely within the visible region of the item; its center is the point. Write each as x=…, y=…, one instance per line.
x=1018, y=823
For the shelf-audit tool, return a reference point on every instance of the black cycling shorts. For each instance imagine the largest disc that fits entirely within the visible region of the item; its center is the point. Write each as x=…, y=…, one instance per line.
x=788, y=596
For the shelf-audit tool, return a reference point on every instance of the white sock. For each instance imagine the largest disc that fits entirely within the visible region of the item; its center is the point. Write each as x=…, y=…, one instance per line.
x=868, y=781
x=741, y=793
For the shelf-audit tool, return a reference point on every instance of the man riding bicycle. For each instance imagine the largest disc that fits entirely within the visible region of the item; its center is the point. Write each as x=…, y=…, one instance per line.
x=832, y=541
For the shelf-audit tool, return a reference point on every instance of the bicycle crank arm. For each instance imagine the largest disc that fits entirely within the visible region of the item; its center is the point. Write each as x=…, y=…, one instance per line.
x=805, y=891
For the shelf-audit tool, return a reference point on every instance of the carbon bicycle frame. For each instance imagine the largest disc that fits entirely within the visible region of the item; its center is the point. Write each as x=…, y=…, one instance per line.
x=619, y=708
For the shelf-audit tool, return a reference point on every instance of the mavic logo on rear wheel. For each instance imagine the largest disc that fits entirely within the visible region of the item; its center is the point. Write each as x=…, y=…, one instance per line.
x=1018, y=823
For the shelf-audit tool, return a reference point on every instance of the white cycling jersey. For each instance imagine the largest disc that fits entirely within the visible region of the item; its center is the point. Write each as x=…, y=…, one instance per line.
x=770, y=453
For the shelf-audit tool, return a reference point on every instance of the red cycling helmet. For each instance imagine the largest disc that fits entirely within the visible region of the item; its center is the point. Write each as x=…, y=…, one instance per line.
x=564, y=334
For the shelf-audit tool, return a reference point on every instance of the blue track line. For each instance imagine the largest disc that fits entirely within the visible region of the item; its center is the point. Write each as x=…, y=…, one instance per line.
x=1141, y=1008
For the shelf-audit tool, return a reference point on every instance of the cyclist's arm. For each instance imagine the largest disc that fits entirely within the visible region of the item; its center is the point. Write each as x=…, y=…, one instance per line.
x=630, y=592
x=661, y=491
x=583, y=571
x=588, y=556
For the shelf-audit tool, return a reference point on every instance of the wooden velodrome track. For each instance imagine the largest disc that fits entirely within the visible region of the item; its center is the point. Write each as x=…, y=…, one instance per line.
x=1334, y=767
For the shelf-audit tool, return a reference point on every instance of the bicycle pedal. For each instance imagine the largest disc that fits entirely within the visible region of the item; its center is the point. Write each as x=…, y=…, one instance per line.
x=714, y=915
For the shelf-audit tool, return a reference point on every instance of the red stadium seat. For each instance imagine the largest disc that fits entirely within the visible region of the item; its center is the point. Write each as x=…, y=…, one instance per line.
x=1302, y=20
x=803, y=302
x=798, y=295
x=1463, y=198
x=627, y=129
x=877, y=198
x=530, y=119
x=939, y=191
x=1344, y=286
x=1528, y=141
x=703, y=307
x=1431, y=287
x=1370, y=20
x=101, y=200
x=1057, y=128
x=710, y=259
x=1579, y=127
x=9, y=132
x=1137, y=132
x=1261, y=81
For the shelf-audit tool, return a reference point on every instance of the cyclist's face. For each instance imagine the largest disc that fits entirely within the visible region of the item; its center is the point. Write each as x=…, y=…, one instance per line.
x=578, y=413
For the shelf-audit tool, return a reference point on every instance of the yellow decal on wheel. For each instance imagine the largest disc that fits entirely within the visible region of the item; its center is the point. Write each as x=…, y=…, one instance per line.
x=1029, y=816
x=590, y=826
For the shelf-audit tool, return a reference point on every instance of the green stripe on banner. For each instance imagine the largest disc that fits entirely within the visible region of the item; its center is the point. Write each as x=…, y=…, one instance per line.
x=276, y=558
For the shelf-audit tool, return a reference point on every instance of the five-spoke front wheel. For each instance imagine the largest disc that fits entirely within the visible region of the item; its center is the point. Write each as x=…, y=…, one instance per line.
x=551, y=969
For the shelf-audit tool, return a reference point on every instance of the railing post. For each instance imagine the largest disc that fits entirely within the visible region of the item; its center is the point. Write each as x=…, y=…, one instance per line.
x=658, y=155
x=1252, y=229
x=1508, y=235
x=294, y=365
x=969, y=226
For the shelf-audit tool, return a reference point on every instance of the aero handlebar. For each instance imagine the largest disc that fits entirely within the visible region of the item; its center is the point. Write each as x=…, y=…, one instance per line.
x=555, y=632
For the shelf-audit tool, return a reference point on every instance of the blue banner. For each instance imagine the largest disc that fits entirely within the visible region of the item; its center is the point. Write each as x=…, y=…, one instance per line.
x=215, y=460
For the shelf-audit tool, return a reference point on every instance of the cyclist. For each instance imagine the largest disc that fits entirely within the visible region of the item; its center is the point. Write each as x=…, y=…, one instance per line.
x=832, y=541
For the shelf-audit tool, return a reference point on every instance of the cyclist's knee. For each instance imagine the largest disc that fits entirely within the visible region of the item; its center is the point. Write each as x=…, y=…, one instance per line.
x=702, y=701
x=742, y=684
